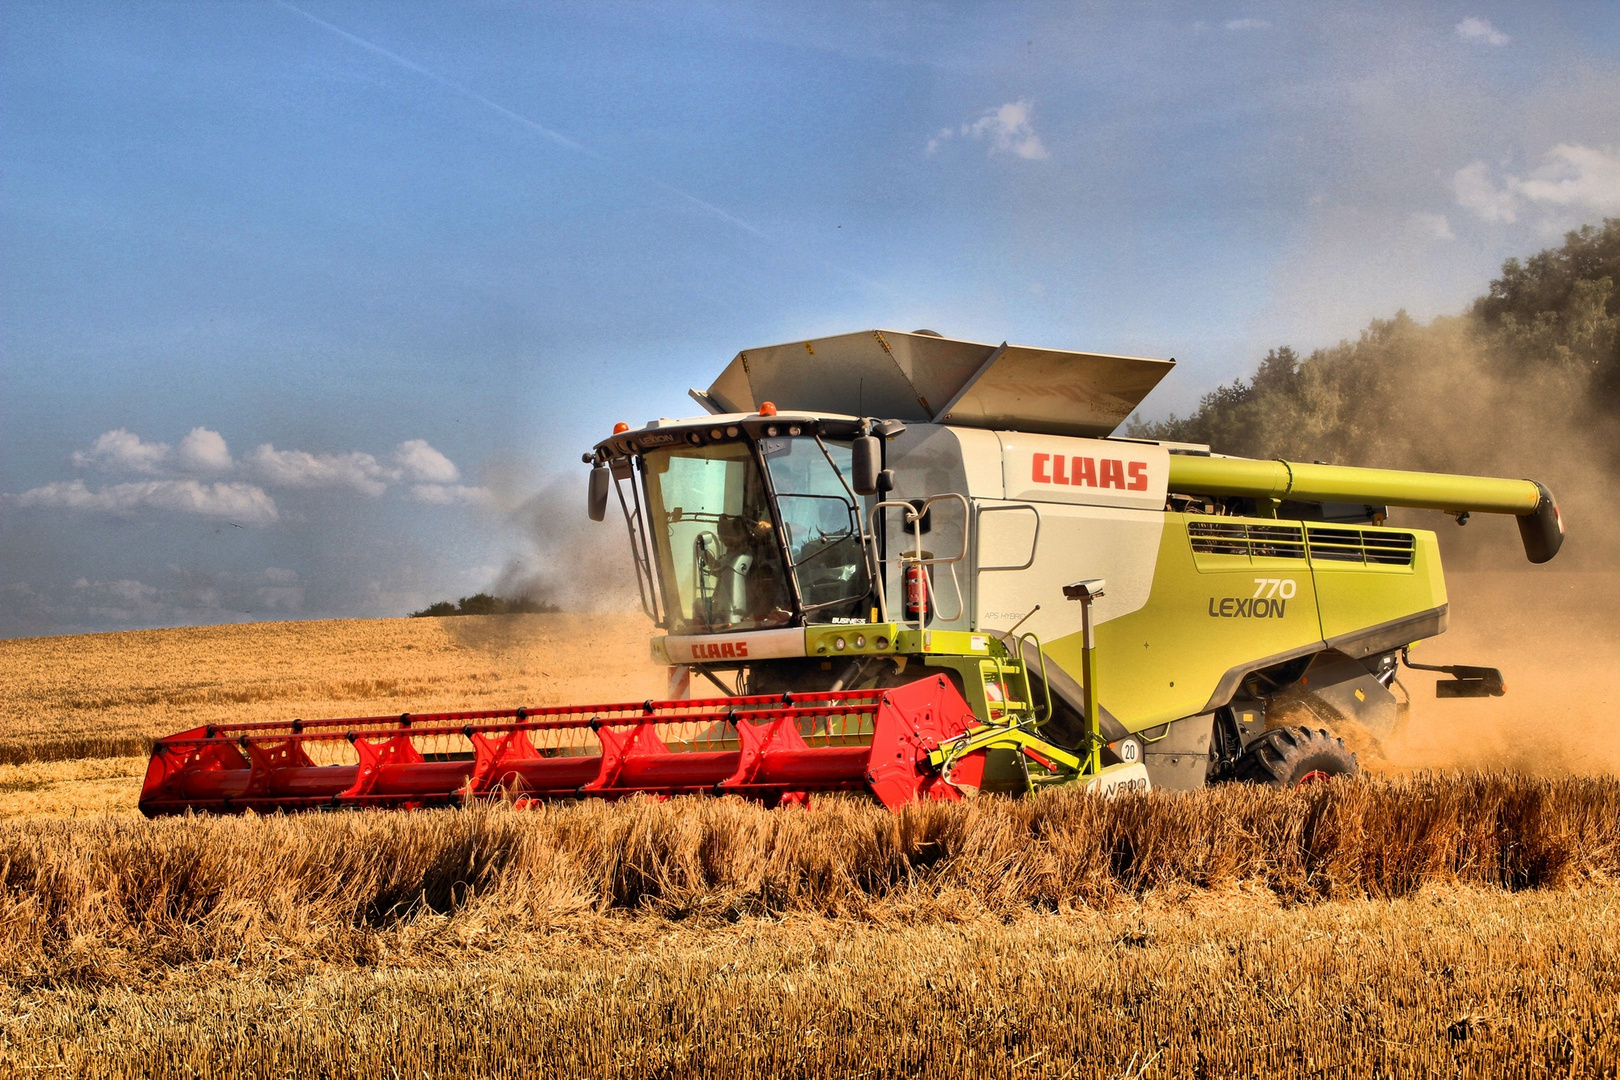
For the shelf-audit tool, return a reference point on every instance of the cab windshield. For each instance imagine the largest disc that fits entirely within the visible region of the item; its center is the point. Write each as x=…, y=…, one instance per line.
x=821, y=525
x=727, y=562
x=716, y=540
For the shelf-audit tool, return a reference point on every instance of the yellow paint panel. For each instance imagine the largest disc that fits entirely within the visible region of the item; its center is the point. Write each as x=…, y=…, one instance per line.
x=1354, y=596
x=1164, y=660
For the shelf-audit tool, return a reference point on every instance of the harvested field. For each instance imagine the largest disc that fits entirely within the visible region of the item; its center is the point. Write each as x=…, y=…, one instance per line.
x=1462, y=927
x=1413, y=924
x=109, y=695
x=1449, y=983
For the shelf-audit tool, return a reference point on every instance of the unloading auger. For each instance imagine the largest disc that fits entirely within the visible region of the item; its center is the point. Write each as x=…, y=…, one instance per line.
x=877, y=582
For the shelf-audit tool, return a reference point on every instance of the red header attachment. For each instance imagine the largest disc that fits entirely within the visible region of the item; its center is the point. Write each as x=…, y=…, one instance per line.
x=769, y=748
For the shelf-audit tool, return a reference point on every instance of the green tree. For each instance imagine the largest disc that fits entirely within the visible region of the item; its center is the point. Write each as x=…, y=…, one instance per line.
x=1539, y=353
x=485, y=604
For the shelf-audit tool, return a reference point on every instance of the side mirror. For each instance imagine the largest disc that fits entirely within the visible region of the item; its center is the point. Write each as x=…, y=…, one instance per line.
x=866, y=460
x=599, y=493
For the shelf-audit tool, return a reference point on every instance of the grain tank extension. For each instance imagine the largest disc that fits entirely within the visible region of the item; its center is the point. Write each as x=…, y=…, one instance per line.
x=919, y=567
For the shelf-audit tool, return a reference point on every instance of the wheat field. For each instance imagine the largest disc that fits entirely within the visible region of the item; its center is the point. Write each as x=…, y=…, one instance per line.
x=78, y=713
x=1423, y=922
x=1435, y=926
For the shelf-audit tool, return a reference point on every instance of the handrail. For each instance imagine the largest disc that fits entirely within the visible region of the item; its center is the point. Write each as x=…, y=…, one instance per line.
x=914, y=514
x=1034, y=543
x=1046, y=687
x=640, y=548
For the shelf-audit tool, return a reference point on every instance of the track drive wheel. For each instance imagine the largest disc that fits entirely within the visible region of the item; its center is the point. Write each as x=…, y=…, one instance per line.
x=1293, y=757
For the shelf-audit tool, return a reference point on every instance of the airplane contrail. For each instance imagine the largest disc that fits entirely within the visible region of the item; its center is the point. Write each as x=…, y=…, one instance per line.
x=555, y=136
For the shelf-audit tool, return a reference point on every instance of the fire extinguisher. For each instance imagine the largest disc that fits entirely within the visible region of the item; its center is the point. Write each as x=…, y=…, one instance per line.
x=916, y=592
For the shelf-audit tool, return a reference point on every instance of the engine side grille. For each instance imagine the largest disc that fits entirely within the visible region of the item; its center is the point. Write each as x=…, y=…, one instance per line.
x=1246, y=539
x=1356, y=546
x=1322, y=543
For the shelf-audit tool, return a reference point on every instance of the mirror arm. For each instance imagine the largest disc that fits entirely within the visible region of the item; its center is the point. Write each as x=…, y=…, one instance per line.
x=868, y=540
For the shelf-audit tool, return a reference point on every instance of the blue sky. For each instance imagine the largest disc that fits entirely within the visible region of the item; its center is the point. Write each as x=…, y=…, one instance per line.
x=310, y=310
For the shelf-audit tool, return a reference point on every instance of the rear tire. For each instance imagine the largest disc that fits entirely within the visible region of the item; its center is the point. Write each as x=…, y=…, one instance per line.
x=1293, y=757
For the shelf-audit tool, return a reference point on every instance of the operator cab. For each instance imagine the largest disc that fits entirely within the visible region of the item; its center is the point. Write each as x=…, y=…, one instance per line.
x=744, y=522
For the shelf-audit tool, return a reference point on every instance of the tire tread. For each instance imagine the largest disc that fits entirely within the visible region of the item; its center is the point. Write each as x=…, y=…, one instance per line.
x=1280, y=757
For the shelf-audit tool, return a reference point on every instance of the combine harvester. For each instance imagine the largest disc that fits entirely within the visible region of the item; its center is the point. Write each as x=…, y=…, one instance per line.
x=929, y=570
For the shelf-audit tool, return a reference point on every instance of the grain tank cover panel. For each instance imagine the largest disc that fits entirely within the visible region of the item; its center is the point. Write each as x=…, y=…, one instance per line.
x=925, y=379
x=870, y=373
x=1054, y=392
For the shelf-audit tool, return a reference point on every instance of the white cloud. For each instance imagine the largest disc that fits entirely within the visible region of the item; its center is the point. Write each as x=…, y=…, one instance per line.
x=1481, y=32
x=1569, y=176
x=449, y=494
x=200, y=597
x=281, y=597
x=1577, y=176
x=1476, y=191
x=119, y=601
x=1248, y=24
x=205, y=451
x=122, y=451
x=1009, y=130
x=299, y=469
x=242, y=503
x=424, y=464
x=1433, y=226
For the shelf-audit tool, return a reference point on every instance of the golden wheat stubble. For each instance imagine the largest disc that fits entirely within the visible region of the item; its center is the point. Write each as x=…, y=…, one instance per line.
x=1435, y=925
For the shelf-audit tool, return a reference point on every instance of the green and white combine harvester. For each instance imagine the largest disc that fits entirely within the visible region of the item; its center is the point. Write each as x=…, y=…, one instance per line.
x=926, y=568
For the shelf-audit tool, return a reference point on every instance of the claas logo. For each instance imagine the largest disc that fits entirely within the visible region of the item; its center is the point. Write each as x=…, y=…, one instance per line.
x=719, y=650
x=1091, y=472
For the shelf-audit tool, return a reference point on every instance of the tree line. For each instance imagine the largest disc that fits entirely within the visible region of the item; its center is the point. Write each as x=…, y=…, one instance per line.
x=1535, y=361
x=485, y=604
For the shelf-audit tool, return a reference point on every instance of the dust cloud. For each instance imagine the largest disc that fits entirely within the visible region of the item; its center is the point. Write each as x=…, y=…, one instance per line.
x=1554, y=629
x=1556, y=637
x=1445, y=404
x=573, y=562
x=579, y=566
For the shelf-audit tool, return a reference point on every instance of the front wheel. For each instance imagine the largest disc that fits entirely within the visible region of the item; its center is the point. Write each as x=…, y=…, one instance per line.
x=1293, y=757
